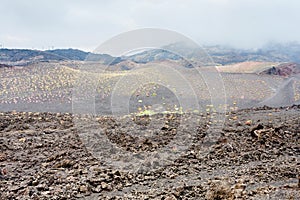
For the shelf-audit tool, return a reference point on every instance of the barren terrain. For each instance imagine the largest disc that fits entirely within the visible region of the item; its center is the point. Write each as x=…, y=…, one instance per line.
x=256, y=157
x=50, y=148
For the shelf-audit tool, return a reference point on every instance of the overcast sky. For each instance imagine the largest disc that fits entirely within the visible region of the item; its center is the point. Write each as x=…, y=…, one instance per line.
x=85, y=24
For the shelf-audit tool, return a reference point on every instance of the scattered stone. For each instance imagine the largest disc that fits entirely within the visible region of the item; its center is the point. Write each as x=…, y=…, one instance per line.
x=22, y=140
x=64, y=168
x=171, y=197
x=234, y=118
x=3, y=157
x=64, y=164
x=220, y=190
x=41, y=187
x=104, y=185
x=248, y=122
x=83, y=189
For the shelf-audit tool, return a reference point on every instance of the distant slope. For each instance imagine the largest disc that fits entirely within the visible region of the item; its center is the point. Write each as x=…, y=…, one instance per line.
x=222, y=55
x=206, y=56
x=284, y=69
x=19, y=55
x=4, y=65
x=247, y=67
x=27, y=56
x=284, y=96
x=153, y=55
x=70, y=54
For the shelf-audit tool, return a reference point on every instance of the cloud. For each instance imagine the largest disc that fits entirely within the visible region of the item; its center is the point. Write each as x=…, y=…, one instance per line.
x=86, y=24
x=14, y=39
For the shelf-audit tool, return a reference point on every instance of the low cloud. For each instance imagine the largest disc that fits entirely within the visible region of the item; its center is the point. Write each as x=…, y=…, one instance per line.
x=86, y=24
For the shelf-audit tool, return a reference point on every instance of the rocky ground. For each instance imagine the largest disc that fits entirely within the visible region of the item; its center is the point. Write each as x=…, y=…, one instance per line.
x=44, y=156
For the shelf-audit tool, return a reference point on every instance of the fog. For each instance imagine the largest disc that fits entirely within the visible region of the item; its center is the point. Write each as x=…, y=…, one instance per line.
x=86, y=24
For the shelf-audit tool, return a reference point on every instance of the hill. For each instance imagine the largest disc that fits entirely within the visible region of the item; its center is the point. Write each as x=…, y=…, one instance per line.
x=284, y=69
x=247, y=67
x=206, y=56
x=27, y=56
x=222, y=55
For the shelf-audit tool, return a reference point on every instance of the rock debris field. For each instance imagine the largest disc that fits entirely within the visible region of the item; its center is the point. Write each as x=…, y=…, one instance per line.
x=256, y=156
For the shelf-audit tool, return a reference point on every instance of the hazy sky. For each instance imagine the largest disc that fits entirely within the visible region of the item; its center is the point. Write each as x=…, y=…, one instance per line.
x=85, y=24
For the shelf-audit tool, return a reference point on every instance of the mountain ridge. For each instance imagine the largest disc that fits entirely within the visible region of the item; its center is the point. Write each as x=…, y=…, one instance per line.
x=215, y=55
